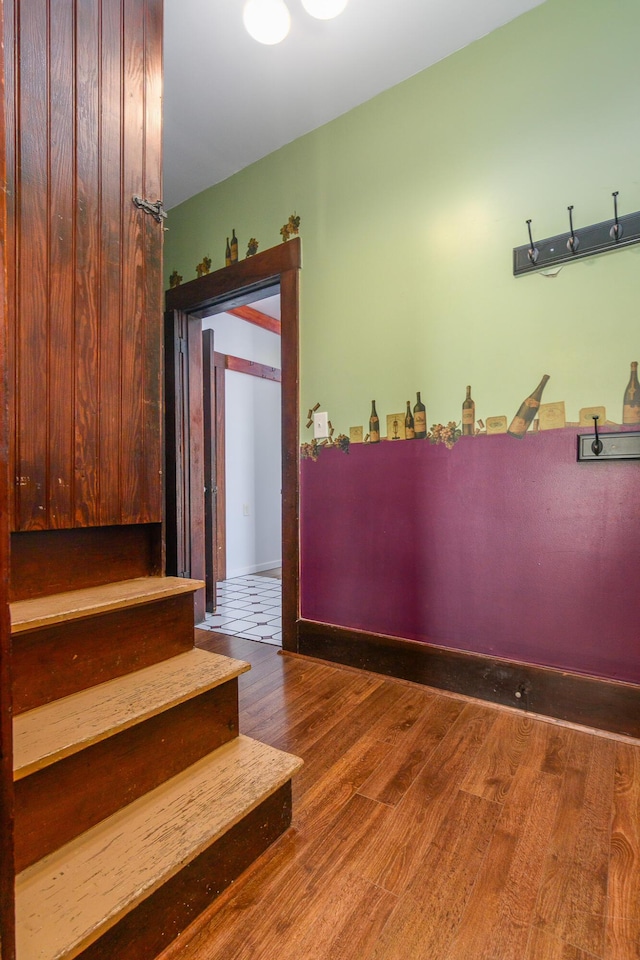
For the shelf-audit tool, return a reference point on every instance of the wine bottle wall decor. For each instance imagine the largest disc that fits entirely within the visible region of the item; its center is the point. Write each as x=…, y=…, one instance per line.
x=419, y=419
x=532, y=415
x=374, y=425
x=527, y=411
x=468, y=415
x=409, y=428
x=631, y=400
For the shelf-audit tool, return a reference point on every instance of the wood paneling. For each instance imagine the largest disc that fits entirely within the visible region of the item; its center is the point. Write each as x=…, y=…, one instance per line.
x=7, y=917
x=85, y=321
x=603, y=704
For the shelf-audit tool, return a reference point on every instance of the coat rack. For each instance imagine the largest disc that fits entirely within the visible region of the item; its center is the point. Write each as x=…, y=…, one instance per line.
x=576, y=244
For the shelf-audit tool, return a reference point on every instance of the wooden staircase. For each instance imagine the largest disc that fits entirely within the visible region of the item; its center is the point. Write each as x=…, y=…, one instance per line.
x=137, y=801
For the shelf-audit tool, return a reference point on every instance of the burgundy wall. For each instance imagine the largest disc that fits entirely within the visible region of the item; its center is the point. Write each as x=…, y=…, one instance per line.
x=499, y=546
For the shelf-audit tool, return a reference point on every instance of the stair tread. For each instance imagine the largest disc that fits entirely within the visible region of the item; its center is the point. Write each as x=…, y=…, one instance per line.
x=63, y=727
x=75, y=604
x=67, y=900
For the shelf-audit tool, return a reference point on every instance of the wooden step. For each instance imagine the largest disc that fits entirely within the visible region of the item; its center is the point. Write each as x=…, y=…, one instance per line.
x=77, y=604
x=82, y=758
x=68, y=641
x=47, y=734
x=72, y=897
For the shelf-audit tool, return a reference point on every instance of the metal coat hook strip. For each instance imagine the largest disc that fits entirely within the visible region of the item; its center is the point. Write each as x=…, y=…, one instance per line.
x=578, y=243
x=155, y=209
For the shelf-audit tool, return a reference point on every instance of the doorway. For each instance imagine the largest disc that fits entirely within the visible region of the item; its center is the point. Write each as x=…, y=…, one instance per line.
x=243, y=491
x=186, y=305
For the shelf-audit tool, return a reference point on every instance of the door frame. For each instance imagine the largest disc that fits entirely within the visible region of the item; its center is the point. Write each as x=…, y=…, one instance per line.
x=241, y=283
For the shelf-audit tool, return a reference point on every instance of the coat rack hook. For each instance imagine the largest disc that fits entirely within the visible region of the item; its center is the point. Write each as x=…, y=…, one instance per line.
x=616, y=230
x=573, y=242
x=596, y=446
x=533, y=252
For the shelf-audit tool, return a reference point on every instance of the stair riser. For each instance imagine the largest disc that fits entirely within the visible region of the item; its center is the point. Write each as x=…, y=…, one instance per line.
x=50, y=561
x=56, y=661
x=158, y=920
x=57, y=803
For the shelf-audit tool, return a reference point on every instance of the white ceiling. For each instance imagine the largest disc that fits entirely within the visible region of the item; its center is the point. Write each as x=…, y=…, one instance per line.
x=229, y=101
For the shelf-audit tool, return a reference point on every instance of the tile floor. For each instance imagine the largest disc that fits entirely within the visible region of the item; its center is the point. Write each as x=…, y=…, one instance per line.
x=248, y=607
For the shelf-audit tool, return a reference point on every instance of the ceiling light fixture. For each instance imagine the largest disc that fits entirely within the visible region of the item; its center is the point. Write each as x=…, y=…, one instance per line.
x=324, y=9
x=267, y=21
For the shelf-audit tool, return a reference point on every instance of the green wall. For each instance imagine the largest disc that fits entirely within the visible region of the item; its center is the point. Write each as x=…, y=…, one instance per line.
x=411, y=204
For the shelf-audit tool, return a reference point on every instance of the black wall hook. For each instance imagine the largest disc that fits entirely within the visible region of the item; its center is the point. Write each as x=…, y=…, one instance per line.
x=533, y=251
x=616, y=230
x=596, y=446
x=573, y=242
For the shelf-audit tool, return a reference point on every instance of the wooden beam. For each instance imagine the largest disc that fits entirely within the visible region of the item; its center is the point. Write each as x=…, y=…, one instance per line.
x=256, y=316
x=239, y=365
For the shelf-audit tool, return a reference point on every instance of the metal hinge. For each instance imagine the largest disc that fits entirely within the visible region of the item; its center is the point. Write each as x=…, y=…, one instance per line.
x=155, y=209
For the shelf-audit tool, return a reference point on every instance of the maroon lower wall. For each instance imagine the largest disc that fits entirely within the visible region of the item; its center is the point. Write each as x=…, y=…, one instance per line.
x=499, y=546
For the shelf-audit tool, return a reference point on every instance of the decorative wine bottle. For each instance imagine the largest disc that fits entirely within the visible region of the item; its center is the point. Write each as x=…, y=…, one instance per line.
x=419, y=419
x=528, y=409
x=227, y=255
x=468, y=415
x=234, y=247
x=374, y=425
x=409, y=431
x=631, y=404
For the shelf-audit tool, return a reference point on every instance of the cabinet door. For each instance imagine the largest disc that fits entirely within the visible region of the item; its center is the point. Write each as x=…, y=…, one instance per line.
x=83, y=102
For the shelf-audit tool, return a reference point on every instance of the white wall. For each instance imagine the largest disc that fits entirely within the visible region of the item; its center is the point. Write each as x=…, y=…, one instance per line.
x=253, y=448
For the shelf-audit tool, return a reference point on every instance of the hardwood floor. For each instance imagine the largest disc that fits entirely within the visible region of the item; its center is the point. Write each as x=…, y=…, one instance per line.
x=428, y=827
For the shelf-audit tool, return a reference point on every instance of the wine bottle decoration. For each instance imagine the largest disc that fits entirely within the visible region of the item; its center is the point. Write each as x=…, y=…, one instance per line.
x=409, y=431
x=374, y=425
x=631, y=403
x=419, y=419
x=234, y=247
x=468, y=415
x=528, y=409
x=227, y=255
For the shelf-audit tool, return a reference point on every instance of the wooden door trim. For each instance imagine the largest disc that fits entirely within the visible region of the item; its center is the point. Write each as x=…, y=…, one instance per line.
x=240, y=282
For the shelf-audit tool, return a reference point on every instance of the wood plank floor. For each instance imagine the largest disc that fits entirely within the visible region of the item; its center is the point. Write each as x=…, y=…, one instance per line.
x=428, y=827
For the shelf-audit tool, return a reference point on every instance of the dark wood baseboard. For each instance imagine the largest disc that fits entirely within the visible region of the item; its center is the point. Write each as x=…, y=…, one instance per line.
x=158, y=920
x=593, y=702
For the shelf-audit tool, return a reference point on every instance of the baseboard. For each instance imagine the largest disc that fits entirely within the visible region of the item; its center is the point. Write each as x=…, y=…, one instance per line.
x=256, y=568
x=593, y=702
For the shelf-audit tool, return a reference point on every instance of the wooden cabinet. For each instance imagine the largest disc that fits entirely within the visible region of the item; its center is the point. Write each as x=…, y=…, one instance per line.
x=83, y=102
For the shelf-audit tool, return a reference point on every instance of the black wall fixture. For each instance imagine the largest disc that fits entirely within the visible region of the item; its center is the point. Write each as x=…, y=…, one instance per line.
x=609, y=446
x=576, y=244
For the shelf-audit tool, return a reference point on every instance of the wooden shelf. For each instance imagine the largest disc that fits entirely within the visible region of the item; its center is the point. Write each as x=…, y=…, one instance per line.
x=70, y=898
x=76, y=604
x=58, y=729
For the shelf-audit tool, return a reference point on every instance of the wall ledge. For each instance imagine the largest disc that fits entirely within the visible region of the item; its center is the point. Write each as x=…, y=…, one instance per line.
x=595, y=702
